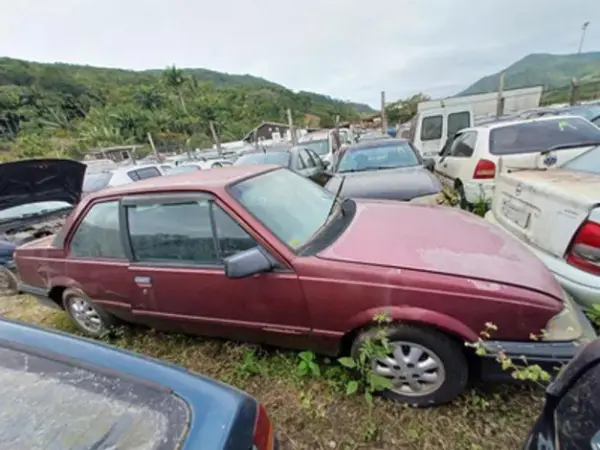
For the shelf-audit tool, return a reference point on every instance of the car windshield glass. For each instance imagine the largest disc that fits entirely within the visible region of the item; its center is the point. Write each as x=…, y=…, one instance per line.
x=319, y=147
x=380, y=157
x=279, y=158
x=32, y=209
x=586, y=162
x=59, y=405
x=95, y=181
x=290, y=206
x=540, y=135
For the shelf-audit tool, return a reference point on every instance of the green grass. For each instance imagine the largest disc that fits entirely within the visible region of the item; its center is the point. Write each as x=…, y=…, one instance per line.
x=313, y=412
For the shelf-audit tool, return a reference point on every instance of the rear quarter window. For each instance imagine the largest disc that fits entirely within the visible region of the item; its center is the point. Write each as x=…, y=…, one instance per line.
x=63, y=406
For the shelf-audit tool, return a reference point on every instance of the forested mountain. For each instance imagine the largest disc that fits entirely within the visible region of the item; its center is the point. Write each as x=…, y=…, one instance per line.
x=551, y=71
x=65, y=109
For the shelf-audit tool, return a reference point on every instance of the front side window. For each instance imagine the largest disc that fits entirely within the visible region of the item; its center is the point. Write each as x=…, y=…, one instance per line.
x=231, y=237
x=290, y=206
x=172, y=233
x=431, y=128
x=375, y=158
x=63, y=406
x=464, y=146
x=320, y=147
x=98, y=236
x=542, y=135
x=305, y=159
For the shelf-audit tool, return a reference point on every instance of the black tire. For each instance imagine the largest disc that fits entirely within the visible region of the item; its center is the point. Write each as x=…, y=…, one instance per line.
x=448, y=352
x=104, y=320
x=462, y=198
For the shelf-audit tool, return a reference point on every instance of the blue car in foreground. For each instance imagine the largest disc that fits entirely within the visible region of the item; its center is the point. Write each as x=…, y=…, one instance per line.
x=61, y=392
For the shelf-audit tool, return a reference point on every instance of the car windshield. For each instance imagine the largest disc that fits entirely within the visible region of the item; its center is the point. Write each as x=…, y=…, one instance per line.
x=279, y=158
x=320, y=147
x=95, y=181
x=32, y=210
x=540, y=135
x=586, y=162
x=60, y=405
x=290, y=206
x=377, y=157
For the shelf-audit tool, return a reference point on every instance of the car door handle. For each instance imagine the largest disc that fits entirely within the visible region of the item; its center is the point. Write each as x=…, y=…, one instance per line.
x=143, y=281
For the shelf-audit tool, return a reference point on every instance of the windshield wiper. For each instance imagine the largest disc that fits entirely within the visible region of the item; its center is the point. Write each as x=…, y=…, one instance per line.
x=573, y=145
x=336, y=198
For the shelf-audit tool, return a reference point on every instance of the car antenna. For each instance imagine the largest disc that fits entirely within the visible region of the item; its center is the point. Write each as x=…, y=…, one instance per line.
x=336, y=199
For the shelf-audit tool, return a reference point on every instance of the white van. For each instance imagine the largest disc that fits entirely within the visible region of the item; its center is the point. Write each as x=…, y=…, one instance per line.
x=431, y=128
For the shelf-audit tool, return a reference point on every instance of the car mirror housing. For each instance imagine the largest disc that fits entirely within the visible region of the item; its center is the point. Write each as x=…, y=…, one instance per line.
x=248, y=263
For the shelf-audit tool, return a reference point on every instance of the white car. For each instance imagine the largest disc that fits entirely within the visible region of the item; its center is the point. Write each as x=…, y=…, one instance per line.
x=550, y=201
x=468, y=163
x=130, y=174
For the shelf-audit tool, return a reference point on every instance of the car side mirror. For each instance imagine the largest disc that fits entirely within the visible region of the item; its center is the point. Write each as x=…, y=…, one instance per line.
x=248, y=263
x=429, y=164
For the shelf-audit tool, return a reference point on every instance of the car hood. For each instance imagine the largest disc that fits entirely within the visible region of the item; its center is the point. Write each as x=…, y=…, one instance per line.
x=403, y=183
x=40, y=180
x=441, y=240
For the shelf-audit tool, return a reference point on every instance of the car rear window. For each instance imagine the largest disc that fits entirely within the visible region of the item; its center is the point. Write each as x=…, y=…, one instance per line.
x=142, y=174
x=95, y=181
x=56, y=405
x=588, y=162
x=542, y=135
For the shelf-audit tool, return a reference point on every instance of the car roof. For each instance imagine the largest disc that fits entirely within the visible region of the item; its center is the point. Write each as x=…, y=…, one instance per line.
x=195, y=389
x=376, y=143
x=131, y=167
x=202, y=179
x=508, y=123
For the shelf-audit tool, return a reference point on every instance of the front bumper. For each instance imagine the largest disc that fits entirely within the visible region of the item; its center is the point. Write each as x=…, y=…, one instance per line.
x=550, y=356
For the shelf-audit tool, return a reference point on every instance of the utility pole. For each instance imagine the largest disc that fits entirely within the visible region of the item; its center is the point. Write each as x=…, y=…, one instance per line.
x=384, y=124
x=153, y=147
x=500, y=99
x=292, y=128
x=574, y=92
x=583, y=29
x=255, y=135
x=215, y=137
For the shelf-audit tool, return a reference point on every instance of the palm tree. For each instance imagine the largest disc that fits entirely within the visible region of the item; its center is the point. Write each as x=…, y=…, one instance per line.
x=175, y=80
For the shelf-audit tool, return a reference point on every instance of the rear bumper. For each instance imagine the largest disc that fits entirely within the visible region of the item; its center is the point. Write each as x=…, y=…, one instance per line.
x=476, y=191
x=40, y=294
x=583, y=286
x=550, y=356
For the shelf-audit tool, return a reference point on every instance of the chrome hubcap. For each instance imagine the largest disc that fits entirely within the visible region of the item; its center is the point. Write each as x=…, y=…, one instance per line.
x=413, y=369
x=85, y=315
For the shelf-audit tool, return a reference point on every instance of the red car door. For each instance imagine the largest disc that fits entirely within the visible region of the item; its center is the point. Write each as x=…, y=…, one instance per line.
x=178, y=244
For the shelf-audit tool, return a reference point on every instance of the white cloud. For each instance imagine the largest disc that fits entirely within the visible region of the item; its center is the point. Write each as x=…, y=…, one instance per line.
x=349, y=49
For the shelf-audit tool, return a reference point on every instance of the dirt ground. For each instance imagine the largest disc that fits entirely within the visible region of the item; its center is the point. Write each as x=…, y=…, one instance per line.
x=314, y=413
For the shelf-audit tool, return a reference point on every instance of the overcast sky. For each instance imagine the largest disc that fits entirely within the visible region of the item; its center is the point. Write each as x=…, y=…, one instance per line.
x=349, y=49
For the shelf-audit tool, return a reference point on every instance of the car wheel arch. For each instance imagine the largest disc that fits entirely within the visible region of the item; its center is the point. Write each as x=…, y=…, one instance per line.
x=411, y=315
x=59, y=286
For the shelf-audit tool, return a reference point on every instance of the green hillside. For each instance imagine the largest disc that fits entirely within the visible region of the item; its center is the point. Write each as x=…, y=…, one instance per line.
x=63, y=108
x=550, y=71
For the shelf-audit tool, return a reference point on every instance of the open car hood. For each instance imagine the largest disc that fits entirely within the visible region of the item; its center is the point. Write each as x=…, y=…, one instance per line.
x=40, y=180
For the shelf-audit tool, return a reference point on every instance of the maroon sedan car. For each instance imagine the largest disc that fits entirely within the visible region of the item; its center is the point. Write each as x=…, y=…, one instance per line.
x=261, y=254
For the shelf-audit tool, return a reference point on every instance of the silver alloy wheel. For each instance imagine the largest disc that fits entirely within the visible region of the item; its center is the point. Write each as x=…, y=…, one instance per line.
x=414, y=370
x=9, y=283
x=85, y=314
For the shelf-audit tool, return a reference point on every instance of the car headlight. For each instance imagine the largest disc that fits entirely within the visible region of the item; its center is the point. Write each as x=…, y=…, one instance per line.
x=432, y=199
x=565, y=326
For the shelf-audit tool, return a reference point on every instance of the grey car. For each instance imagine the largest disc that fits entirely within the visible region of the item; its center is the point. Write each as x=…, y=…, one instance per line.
x=389, y=169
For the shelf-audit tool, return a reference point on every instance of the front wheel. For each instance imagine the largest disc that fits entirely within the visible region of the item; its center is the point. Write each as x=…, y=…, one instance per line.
x=426, y=367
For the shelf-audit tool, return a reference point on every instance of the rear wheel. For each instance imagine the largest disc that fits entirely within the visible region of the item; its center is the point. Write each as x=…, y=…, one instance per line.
x=462, y=198
x=426, y=367
x=89, y=318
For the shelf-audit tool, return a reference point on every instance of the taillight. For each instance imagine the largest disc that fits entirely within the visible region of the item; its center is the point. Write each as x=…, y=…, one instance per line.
x=584, y=251
x=484, y=169
x=263, y=431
